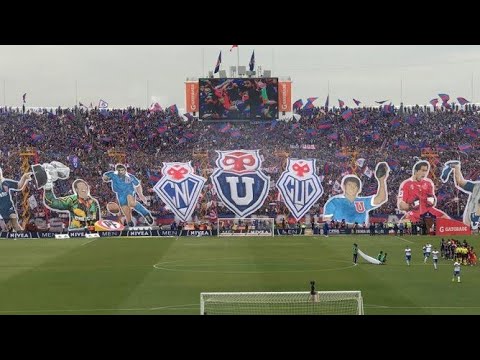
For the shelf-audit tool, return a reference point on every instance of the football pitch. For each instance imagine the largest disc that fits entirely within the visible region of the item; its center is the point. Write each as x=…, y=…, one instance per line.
x=166, y=275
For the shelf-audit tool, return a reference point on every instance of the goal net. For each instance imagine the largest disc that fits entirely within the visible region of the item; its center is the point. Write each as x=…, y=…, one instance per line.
x=245, y=226
x=282, y=303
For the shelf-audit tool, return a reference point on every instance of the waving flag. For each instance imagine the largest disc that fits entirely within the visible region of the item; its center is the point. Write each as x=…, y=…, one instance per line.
x=251, y=64
x=434, y=102
x=102, y=104
x=312, y=99
x=24, y=96
x=357, y=102
x=155, y=107
x=465, y=147
x=347, y=114
x=326, y=102
x=297, y=104
x=462, y=100
x=444, y=97
x=341, y=103
x=219, y=61
x=381, y=102
x=234, y=46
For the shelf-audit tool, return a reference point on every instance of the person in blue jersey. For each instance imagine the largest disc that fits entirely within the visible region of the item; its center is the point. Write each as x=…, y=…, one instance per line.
x=125, y=186
x=352, y=207
x=7, y=207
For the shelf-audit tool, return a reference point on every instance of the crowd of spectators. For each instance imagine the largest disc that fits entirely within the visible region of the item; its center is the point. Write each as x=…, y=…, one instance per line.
x=400, y=136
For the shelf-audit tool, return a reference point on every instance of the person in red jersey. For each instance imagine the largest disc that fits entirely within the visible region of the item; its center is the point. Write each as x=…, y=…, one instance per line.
x=416, y=195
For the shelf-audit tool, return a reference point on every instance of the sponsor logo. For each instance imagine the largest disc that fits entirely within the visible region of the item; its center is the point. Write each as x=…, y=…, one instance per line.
x=198, y=233
x=46, y=235
x=453, y=228
x=109, y=233
x=193, y=97
x=284, y=96
x=19, y=235
x=139, y=233
x=288, y=232
x=168, y=233
x=76, y=233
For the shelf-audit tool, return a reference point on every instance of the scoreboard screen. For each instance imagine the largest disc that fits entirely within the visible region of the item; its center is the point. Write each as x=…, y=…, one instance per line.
x=238, y=99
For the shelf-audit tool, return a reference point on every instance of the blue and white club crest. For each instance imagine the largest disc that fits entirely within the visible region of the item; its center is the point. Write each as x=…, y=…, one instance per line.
x=179, y=188
x=239, y=181
x=300, y=186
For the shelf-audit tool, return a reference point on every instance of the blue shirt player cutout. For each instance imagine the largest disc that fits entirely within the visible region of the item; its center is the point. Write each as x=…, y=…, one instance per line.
x=353, y=208
x=125, y=186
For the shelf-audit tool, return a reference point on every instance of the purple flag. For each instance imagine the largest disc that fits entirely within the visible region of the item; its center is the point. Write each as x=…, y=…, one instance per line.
x=24, y=96
x=462, y=100
x=326, y=102
x=444, y=97
x=347, y=114
x=434, y=102
x=297, y=104
x=381, y=102
x=341, y=103
x=465, y=147
x=357, y=102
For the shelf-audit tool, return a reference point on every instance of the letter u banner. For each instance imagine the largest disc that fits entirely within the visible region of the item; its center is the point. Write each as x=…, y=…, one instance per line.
x=300, y=186
x=239, y=181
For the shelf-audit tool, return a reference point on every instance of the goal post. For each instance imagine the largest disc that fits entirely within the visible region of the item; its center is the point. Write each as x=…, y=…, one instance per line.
x=282, y=303
x=246, y=226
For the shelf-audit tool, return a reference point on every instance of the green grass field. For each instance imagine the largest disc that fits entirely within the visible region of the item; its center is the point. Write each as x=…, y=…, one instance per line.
x=166, y=275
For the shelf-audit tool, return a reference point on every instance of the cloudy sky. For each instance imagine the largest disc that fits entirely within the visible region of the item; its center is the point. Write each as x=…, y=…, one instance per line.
x=61, y=74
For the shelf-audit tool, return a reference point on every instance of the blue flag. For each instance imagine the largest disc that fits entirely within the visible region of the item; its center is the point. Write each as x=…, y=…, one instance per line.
x=219, y=61
x=251, y=64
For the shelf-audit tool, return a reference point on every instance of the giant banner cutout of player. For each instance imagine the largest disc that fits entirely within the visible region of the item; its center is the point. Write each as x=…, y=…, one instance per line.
x=126, y=186
x=416, y=195
x=471, y=214
x=353, y=208
x=179, y=188
x=83, y=209
x=239, y=181
x=300, y=186
x=8, y=210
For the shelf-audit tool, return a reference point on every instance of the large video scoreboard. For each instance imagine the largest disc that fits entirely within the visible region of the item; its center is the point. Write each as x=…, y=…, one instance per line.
x=238, y=98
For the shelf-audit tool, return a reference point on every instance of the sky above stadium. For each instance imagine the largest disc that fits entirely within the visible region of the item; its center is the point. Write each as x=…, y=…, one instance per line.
x=137, y=75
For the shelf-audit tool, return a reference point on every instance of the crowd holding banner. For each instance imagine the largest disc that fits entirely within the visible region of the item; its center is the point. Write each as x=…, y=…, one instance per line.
x=81, y=138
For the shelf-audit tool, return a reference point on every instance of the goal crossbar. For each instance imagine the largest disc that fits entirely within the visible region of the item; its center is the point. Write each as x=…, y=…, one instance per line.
x=282, y=303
